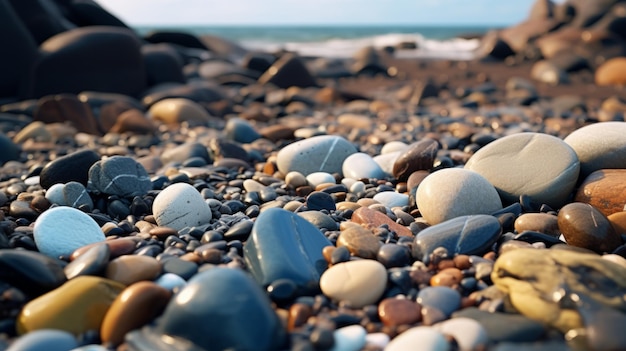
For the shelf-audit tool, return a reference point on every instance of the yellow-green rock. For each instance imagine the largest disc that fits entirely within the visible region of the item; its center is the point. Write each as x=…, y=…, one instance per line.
x=536, y=280
x=77, y=306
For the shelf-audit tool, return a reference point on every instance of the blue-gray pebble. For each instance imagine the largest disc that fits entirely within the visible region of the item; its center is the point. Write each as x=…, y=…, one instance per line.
x=121, y=176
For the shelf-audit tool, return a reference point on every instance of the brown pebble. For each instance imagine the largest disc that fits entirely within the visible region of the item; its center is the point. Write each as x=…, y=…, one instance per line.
x=327, y=252
x=585, y=226
x=133, y=121
x=462, y=262
x=418, y=156
x=605, y=190
x=132, y=268
x=137, y=305
x=117, y=247
x=360, y=241
x=445, y=263
x=40, y=203
x=618, y=220
x=162, y=232
x=538, y=222
x=299, y=313
x=394, y=311
x=447, y=277
x=432, y=315
x=211, y=256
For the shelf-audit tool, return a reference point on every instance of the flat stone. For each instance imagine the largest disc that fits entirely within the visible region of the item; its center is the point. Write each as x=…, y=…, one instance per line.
x=77, y=306
x=538, y=165
x=539, y=222
x=61, y=230
x=417, y=157
x=468, y=333
x=361, y=242
x=71, y=167
x=466, y=235
x=41, y=340
x=209, y=316
x=374, y=219
x=324, y=153
x=72, y=194
x=584, y=226
x=504, y=327
x=31, y=272
x=396, y=311
x=361, y=165
x=443, y=298
x=455, y=192
x=137, y=305
x=319, y=219
x=392, y=199
x=121, y=176
x=605, y=190
x=177, y=110
x=283, y=245
x=92, y=261
x=599, y=146
x=427, y=338
x=180, y=205
x=527, y=275
x=358, y=283
x=130, y=269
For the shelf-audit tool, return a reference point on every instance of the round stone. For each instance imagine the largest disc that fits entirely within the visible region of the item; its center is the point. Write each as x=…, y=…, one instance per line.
x=584, y=226
x=52, y=340
x=316, y=178
x=392, y=199
x=358, y=283
x=71, y=167
x=538, y=165
x=394, y=312
x=443, y=298
x=324, y=153
x=350, y=338
x=129, y=269
x=427, y=338
x=455, y=192
x=468, y=333
x=361, y=165
x=120, y=175
x=360, y=241
x=72, y=194
x=539, y=222
x=61, y=230
x=605, y=190
x=180, y=205
x=177, y=110
x=599, y=146
x=417, y=156
x=241, y=131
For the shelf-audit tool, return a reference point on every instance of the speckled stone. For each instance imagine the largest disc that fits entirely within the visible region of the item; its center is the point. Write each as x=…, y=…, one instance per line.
x=357, y=283
x=455, y=192
x=61, y=230
x=324, y=153
x=605, y=190
x=584, y=226
x=538, y=165
x=77, y=306
x=599, y=146
x=180, y=205
x=360, y=241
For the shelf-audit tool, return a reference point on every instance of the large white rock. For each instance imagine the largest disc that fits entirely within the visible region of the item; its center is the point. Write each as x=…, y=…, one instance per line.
x=324, y=153
x=455, y=192
x=180, y=205
x=599, y=146
x=361, y=165
x=61, y=230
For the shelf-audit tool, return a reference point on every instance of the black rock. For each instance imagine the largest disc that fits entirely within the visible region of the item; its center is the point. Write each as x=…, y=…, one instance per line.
x=91, y=262
x=31, y=272
x=319, y=200
x=71, y=167
x=10, y=151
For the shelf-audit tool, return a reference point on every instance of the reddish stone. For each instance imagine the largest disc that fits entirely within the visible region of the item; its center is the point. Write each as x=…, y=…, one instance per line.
x=393, y=311
x=375, y=219
x=605, y=190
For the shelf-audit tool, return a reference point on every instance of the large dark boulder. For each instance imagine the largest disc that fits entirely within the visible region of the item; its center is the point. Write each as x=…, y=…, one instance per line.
x=163, y=64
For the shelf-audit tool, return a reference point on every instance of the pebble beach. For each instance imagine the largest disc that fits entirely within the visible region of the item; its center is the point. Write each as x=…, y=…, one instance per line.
x=182, y=193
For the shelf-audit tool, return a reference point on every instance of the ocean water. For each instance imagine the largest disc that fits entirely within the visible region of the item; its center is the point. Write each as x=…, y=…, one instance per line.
x=448, y=42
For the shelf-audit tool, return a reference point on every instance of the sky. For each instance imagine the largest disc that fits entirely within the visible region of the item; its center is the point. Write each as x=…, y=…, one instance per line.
x=319, y=12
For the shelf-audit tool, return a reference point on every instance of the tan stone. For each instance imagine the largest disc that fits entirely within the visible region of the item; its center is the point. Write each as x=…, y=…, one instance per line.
x=612, y=72
x=361, y=242
x=358, y=283
x=133, y=268
x=177, y=110
x=618, y=221
x=539, y=222
x=605, y=190
x=394, y=311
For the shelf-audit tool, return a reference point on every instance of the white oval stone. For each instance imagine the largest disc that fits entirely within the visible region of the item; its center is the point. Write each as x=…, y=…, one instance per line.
x=316, y=178
x=455, y=192
x=180, y=205
x=427, y=338
x=324, y=153
x=361, y=165
x=598, y=146
x=468, y=333
x=393, y=146
x=392, y=199
x=55, y=194
x=387, y=160
x=359, y=283
x=350, y=338
x=357, y=187
x=61, y=230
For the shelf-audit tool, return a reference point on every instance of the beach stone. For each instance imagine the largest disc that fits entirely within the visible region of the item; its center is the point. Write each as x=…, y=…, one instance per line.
x=392, y=255
x=319, y=200
x=387, y=160
x=316, y=178
x=374, y=219
x=283, y=245
x=618, y=221
x=455, y=192
x=468, y=333
x=234, y=314
x=61, y=230
x=357, y=283
x=443, y=298
x=361, y=242
x=518, y=164
x=392, y=199
x=36, y=131
x=539, y=222
x=10, y=150
x=585, y=226
x=288, y=71
x=93, y=261
x=133, y=121
x=504, y=327
x=547, y=72
x=31, y=272
x=241, y=131
x=465, y=235
x=180, y=205
x=129, y=269
x=178, y=110
x=121, y=176
x=417, y=157
x=71, y=167
x=599, y=146
x=319, y=219
x=171, y=282
x=40, y=340
x=361, y=165
x=397, y=311
x=185, y=151
x=137, y=305
x=612, y=72
x=527, y=275
x=72, y=194
x=323, y=153
x=77, y=306
x=66, y=108
x=350, y=338
x=605, y=190
x=427, y=338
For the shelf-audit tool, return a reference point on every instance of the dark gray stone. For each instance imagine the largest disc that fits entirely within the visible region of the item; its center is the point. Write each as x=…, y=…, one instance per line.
x=186, y=151
x=467, y=235
x=319, y=200
x=91, y=262
x=10, y=151
x=71, y=167
x=241, y=131
x=285, y=246
x=31, y=272
x=120, y=175
x=443, y=298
